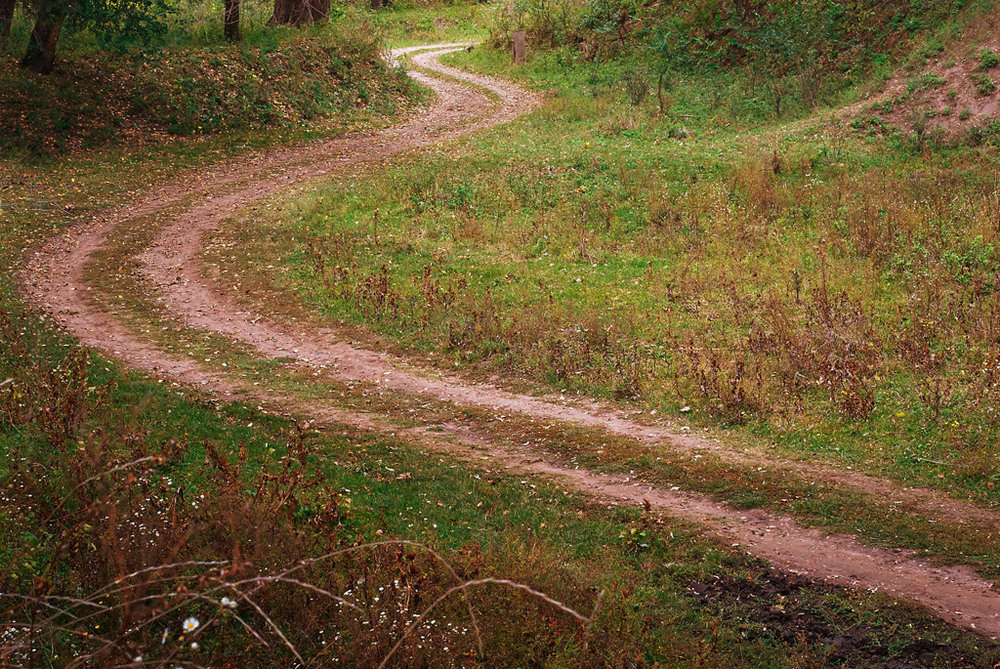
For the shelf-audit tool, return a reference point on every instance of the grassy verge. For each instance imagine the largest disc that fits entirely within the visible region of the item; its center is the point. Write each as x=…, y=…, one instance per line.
x=671, y=594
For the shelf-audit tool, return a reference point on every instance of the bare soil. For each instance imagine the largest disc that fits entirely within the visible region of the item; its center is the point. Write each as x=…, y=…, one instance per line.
x=54, y=278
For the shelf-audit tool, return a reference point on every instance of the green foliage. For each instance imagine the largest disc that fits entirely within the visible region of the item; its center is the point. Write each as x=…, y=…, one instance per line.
x=116, y=22
x=924, y=82
x=547, y=22
x=933, y=47
x=609, y=20
x=798, y=53
x=635, y=81
x=988, y=59
x=984, y=85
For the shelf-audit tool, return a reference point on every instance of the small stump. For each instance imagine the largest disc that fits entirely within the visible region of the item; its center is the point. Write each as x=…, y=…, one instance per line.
x=519, y=47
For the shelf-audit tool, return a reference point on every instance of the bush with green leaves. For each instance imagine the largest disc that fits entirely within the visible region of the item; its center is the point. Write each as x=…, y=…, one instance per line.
x=988, y=59
x=635, y=81
x=984, y=85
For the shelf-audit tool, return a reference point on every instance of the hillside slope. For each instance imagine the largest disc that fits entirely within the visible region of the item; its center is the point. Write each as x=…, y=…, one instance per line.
x=333, y=76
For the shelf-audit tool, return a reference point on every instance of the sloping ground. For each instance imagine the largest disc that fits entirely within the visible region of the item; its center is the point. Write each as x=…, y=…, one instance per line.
x=92, y=101
x=948, y=91
x=58, y=280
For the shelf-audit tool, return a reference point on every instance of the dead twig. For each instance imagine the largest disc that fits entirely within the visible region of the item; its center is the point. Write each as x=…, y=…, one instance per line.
x=486, y=581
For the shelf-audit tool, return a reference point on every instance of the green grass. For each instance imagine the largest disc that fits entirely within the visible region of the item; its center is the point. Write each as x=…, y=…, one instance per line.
x=588, y=249
x=490, y=523
x=522, y=212
x=446, y=23
x=330, y=76
x=881, y=522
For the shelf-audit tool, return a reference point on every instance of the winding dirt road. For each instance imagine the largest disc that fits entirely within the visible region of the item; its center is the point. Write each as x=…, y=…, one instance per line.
x=55, y=279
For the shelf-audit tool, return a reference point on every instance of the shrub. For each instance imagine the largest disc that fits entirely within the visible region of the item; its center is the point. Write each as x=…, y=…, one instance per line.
x=636, y=85
x=925, y=81
x=112, y=560
x=988, y=59
x=984, y=85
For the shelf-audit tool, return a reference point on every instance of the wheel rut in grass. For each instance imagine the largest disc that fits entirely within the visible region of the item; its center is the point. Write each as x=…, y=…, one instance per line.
x=55, y=280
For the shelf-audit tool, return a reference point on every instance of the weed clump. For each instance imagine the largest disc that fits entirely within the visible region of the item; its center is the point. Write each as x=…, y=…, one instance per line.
x=988, y=59
x=984, y=85
x=114, y=557
x=636, y=83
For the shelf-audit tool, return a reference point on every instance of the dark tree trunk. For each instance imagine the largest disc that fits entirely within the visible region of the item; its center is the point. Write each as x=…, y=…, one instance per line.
x=279, y=17
x=6, y=18
x=319, y=10
x=231, y=20
x=376, y=5
x=299, y=12
x=41, y=53
x=659, y=91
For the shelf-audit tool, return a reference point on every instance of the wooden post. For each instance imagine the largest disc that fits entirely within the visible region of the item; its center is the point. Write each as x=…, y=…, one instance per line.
x=519, y=46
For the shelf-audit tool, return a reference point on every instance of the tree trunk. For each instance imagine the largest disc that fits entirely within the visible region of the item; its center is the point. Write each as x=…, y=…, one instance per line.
x=519, y=46
x=376, y=5
x=319, y=10
x=40, y=55
x=6, y=18
x=659, y=90
x=231, y=20
x=299, y=12
x=279, y=16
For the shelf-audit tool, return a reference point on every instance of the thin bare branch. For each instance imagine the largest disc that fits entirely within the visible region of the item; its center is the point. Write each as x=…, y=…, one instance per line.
x=472, y=584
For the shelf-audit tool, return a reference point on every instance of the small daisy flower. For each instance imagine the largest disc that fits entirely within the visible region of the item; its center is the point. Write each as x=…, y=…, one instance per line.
x=166, y=634
x=228, y=603
x=190, y=624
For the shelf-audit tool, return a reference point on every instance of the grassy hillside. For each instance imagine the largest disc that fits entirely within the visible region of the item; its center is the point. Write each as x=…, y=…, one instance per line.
x=758, y=60
x=330, y=76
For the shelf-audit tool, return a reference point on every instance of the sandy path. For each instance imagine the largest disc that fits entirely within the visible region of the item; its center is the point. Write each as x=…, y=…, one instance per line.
x=54, y=279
